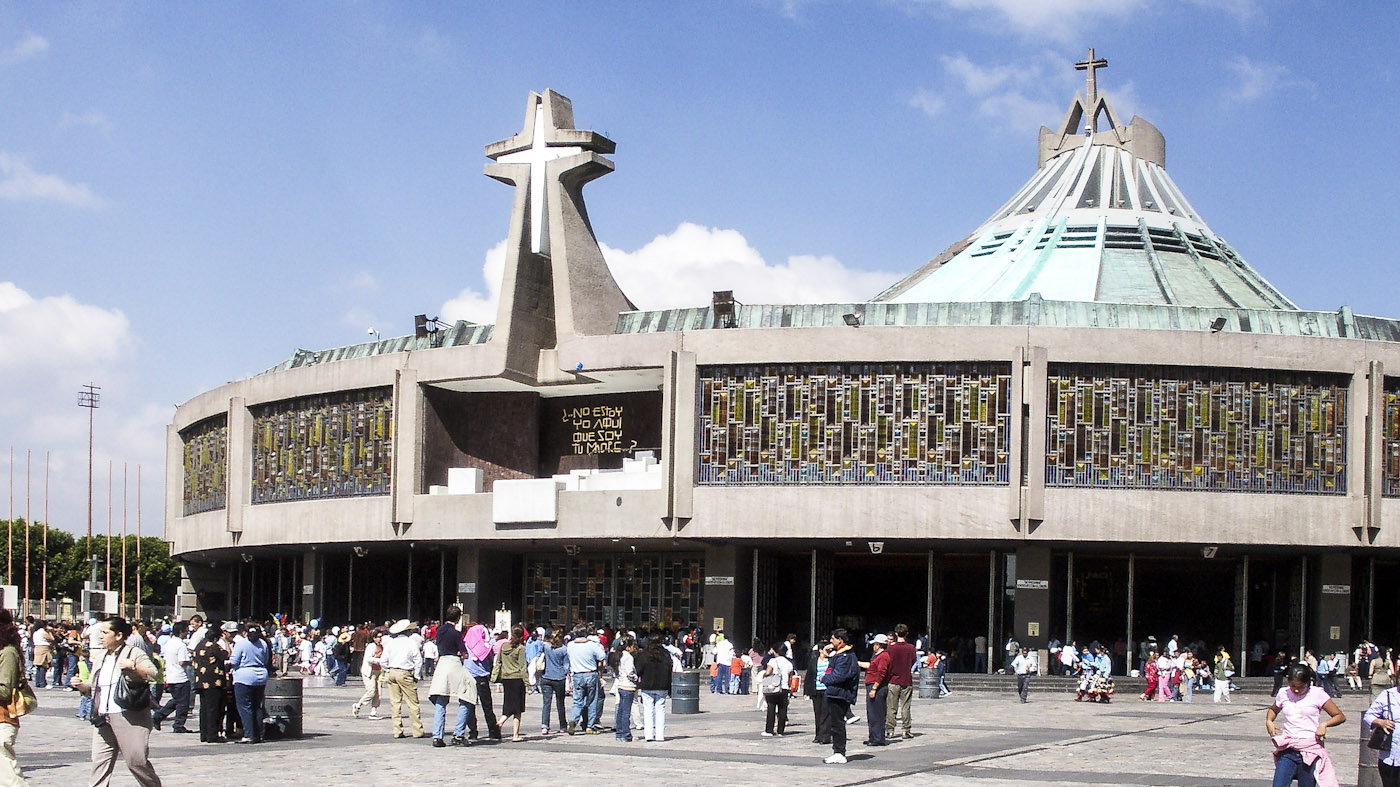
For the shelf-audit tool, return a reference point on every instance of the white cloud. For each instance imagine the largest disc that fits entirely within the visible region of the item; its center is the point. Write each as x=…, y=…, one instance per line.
x=20, y=183
x=364, y=280
x=31, y=46
x=56, y=332
x=680, y=269
x=91, y=118
x=1254, y=80
x=927, y=102
x=49, y=347
x=1017, y=112
x=1062, y=20
x=473, y=306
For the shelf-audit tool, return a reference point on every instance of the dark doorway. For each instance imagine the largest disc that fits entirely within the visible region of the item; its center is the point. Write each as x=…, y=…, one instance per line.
x=1273, y=614
x=1191, y=597
x=1100, y=597
x=875, y=592
x=960, y=607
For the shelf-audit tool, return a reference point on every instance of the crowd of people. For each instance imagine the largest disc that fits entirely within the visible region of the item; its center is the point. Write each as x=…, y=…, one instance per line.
x=132, y=678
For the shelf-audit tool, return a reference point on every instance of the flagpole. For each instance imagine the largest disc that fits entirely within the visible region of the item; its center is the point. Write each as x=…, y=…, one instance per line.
x=27, y=520
x=138, y=542
x=108, y=584
x=121, y=597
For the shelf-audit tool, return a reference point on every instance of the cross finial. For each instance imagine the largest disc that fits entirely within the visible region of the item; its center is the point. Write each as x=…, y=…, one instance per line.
x=1091, y=89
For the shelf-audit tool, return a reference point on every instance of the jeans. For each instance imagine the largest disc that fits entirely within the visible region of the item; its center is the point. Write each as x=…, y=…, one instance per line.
x=41, y=677
x=330, y=663
x=875, y=712
x=724, y=679
x=553, y=692
x=654, y=714
x=599, y=697
x=1186, y=689
x=179, y=704
x=622, y=722
x=715, y=684
x=464, y=709
x=250, y=709
x=734, y=682
x=585, y=686
x=73, y=670
x=980, y=663
x=1023, y=687
x=1289, y=766
x=342, y=669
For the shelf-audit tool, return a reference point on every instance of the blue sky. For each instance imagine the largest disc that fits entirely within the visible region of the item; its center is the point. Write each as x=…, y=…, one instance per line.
x=189, y=192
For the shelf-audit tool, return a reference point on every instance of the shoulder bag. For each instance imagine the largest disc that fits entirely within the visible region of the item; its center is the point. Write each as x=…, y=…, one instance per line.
x=131, y=693
x=1380, y=739
x=22, y=700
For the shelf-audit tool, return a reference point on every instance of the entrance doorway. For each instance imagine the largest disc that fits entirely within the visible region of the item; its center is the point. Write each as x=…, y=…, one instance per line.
x=960, y=607
x=1191, y=597
x=872, y=593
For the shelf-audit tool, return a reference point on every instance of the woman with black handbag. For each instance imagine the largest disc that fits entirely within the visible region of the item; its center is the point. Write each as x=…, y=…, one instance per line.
x=1380, y=718
x=121, y=707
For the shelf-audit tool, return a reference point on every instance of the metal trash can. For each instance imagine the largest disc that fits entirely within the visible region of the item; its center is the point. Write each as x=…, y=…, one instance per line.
x=928, y=683
x=282, y=708
x=685, y=692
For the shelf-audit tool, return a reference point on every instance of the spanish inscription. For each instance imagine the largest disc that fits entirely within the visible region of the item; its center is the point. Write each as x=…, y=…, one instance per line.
x=597, y=429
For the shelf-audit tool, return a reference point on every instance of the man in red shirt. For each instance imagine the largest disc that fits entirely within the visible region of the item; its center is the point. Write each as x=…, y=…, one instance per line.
x=902, y=657
x=877, y=687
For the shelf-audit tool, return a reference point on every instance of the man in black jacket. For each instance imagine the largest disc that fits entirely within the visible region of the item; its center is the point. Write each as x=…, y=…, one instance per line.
x=841, y=680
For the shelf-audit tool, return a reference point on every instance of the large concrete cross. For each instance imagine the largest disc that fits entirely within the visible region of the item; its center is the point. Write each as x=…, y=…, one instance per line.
x=1091, y=88
x=538, y=155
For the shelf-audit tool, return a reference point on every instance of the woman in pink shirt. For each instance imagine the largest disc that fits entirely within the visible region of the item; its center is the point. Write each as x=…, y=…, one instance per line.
x=1299, y=741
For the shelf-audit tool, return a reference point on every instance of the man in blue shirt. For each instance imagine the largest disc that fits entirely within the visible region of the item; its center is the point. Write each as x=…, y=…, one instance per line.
x=585, y=658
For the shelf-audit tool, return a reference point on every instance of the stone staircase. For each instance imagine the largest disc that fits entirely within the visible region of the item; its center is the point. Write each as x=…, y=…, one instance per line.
x=1124, y=687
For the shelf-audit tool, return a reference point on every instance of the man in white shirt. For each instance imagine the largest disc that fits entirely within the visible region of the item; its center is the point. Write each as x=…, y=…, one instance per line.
x=1024, y=666
x=176, y=655
x=401, y=661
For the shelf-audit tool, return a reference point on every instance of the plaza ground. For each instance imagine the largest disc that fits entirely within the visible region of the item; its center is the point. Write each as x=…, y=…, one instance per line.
x=981, y=739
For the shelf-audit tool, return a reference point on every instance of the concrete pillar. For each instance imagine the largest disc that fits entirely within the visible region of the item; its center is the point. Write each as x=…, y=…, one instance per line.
x=239, y=474
x=728, y=590
x=311, y=591
x=1330, y=590
x=484, y=581
x=1033, y=595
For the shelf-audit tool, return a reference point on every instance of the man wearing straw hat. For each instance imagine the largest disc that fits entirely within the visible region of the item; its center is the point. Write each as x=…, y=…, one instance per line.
x=402, y=661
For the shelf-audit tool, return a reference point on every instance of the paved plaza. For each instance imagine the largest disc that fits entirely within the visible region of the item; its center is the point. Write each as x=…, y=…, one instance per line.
x=964, y=739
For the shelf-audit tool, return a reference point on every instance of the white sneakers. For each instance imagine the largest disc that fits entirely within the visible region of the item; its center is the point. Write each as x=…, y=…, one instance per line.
x=355, y=710
x=835, y=759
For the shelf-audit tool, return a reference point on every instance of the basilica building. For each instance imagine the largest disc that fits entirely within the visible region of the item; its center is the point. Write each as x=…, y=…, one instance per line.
x=1090, y=418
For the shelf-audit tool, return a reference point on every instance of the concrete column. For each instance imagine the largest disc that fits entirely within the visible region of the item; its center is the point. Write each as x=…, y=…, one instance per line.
x=311, y=581
x=240, y=462
x=1330, y=589
x=408, y=444
x=487, y=576
x=679, y=453
x=1033, y=595
x=728, y=589
x=1036, y=369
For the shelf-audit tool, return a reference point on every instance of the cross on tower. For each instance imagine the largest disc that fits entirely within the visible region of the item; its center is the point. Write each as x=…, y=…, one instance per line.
x=537, y=156
x=1091, y=89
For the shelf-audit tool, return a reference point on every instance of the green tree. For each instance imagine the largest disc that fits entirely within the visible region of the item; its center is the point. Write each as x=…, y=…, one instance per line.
x=69, y=563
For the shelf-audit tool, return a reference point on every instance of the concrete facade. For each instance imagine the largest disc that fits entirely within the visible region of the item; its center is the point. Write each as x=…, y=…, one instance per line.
x=556, y=348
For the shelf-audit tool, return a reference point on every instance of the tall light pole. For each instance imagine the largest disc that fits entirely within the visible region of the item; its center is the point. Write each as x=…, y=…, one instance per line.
x=138, y=542
x=27, y=519
x=91, y=399
x=44, y=572
x=121, y=597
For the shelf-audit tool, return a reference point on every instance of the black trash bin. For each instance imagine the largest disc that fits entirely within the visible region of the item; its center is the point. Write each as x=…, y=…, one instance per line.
x=685, y=692
x=282, y=708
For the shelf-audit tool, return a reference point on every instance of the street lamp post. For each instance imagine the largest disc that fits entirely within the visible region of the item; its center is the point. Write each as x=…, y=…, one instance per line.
x=91, y=399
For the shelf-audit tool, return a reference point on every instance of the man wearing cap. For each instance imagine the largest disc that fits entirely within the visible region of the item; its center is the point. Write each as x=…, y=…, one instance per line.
x=877, y=689
x=402, y=661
